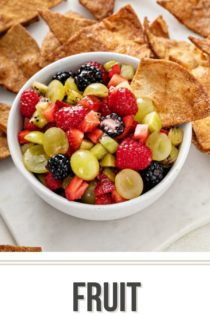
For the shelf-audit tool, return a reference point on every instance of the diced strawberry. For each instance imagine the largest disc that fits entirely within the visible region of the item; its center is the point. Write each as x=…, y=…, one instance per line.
x=51, y=182
x=29, y=125
x=60, y=104
x=75, y=137
x=91, y=102
x=141, y=132
x=116, y=197
x=76, y=189
x=21, y=136
x=90, y=122
x=130, y=125
x=164, y=131
x=114, y=70
x=104, y=186
x=115, y=80
x=95, y=135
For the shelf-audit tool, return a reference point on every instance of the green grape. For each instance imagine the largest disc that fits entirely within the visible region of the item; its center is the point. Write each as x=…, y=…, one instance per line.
x=86, y=145
x=56, y=91
x=108, y=161
x=171, y=159
x=70, y=85
x=129, y=184
x=84, y=164
x=89, y=195
x=25, y=147
x=96, y=89
x=35, y=159
x=109, y=64
x=127, y=72
x=153, y=121
x=109, y=144
x=35, y=137
x=176, y=136
x=99, y=151
x=40, y=87
x=55, y=141
x=160, y=145
x=145, y=106
x=73, y=97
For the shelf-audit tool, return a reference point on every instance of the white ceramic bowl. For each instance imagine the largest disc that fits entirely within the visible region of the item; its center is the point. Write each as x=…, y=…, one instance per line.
x=90, y=212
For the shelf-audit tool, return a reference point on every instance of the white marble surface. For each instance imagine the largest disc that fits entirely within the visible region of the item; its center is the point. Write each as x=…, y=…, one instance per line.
x=184, y=206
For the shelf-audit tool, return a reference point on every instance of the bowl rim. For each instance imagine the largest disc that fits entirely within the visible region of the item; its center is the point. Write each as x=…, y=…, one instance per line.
x=12, y=142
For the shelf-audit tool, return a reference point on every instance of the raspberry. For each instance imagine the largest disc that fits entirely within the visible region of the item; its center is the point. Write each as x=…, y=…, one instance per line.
x=123, y=102
x=104, y=186
x=70, y=117
x=28, y=101
x=103, y=200
x=99, y=66
x=133, y=154
x=51, y=182
x=105, y=110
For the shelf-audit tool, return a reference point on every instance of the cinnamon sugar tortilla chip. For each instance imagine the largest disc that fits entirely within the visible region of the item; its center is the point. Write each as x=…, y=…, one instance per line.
x=122, y=32
x=49, y=44
x=4, y=150
x=159, y=27
x=195, y=14
x=13, y=12
x=68, y=24
x=201, y=127
x=100, y=8
x=178, y=96
x=4, y=113
x=19, y=57
x=202, y=43
x=184, y=53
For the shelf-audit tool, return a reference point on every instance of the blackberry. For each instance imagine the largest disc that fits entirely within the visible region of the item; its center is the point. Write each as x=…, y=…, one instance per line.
x=112, y=125
x=62, y=76
x=86, y=75
x=59, y=166
x=153, y=175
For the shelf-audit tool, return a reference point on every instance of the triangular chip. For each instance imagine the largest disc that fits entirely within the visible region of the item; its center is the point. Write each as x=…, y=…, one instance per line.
x=184, y=53
x=159, y=27
x=178, y=96
x=13, y=12
x=122, y=33
x=202, y=127
x=19, y=57
x=100, y=8
x=201, y=43
x=4, y=149
x=68, y=24
x=4, y=114
x=195, y=14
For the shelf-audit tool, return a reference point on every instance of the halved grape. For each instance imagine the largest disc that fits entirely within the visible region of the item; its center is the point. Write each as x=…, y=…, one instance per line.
x=127, y=72
x=160, y=145
x=171, y=159
x=35, y=137
x=153, y=121
x=145, y=106
x=70, y=85
x=55, y=141
x=96, y=89
x=73, y=97
x=176, y=136
x=84, y=164
x=35, y=159
x=129, y=184
x=26, y=146
x=56, y=91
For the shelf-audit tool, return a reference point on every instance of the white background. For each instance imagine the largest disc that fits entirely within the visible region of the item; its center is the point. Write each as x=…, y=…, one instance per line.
x=47, y=289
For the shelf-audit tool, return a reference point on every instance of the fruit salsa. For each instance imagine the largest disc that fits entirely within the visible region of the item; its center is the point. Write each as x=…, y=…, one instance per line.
x=88, y=138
